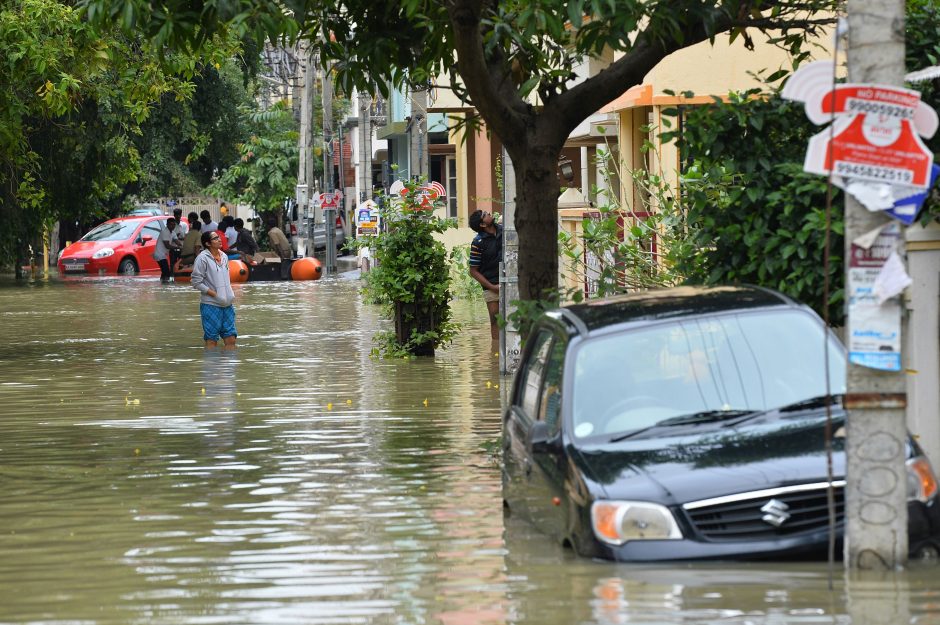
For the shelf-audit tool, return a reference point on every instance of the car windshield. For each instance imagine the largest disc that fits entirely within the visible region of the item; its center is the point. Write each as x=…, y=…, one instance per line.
x=112, y=231
x=701, y=367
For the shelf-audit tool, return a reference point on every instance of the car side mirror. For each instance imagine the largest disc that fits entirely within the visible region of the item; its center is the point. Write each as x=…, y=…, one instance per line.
x=145, y=240
x=542, y=440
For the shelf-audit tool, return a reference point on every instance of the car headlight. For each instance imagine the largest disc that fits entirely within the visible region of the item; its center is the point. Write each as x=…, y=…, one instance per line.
x=103, y=253
x=617, y=522
x=921, y=483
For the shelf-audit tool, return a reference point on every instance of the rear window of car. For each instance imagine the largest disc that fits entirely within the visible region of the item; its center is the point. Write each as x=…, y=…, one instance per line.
x=112, y=231
x=749, y=361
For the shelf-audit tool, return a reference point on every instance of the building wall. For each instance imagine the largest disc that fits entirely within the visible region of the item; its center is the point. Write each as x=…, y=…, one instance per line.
x=706, y=71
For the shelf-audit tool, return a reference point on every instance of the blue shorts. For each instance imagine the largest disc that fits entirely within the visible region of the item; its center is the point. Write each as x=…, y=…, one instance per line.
x=217, y=321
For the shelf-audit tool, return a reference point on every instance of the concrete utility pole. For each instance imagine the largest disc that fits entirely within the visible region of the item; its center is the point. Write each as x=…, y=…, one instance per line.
x=418, y=160
x=329, y=215
x=365, y=147
x=327, y=130
x=876, y=488
x=305, y=144
x=510, y=342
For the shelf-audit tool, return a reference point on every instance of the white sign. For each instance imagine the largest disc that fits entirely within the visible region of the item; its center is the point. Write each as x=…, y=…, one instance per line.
x=874, y=329
x=367, y=219
x=875, y=136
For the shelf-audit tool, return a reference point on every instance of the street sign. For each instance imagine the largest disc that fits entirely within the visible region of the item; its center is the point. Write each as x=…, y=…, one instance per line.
x=873, y=138
x=426, y=195
x=876, y=129
x=328, y=200
x=367, y=219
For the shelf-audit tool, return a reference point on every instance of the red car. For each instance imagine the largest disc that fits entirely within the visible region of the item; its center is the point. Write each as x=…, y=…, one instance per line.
x=123, y=245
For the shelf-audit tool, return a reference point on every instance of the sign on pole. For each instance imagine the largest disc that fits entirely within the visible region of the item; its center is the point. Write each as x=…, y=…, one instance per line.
x=874, y=328
x=875, y=137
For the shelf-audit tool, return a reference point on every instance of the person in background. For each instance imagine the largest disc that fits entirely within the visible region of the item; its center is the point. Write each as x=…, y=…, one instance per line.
x=180, y=231
x=486, y=251
x=208, y=225
x=228, y=226
x=217, y=303
x=278, y=240
x=167, y=240
x=245, y=243
x=191, y=244
x=192, y=218
x=280, y=245
x=181, y=225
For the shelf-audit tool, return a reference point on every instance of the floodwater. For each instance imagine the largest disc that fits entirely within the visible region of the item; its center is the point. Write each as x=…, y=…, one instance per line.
x=298, y=480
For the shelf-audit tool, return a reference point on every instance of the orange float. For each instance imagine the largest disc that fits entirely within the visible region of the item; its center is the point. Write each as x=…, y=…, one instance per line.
x=237, y=271
x=306, y=269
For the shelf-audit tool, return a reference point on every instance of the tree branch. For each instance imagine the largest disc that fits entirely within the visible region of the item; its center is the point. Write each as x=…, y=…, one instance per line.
x=487, y=81
x=586, y=98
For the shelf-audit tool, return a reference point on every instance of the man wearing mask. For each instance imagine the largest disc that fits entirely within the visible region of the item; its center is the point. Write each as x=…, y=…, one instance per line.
x=486, y=252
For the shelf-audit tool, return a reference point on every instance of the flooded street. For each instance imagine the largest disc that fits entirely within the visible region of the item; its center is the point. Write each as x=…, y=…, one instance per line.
x=298, y=480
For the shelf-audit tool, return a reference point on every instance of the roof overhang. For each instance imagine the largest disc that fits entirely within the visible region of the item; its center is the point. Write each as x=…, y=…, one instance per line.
x=391, y=130
x=642, y=95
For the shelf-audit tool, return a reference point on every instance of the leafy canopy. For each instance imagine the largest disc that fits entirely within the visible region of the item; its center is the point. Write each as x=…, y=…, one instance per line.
x=508, y=53
x=72, y=99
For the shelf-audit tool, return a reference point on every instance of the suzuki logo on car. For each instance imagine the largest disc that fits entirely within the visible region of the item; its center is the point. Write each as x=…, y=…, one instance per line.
x=775, y=512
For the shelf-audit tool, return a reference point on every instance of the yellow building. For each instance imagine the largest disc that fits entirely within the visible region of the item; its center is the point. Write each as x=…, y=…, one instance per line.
x=705, y=70
x=622, y=128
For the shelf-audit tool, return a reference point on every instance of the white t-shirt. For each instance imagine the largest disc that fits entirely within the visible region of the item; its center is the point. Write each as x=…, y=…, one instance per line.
x=163, y=243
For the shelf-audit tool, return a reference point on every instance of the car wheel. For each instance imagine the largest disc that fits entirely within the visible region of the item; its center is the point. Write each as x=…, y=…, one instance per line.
x=127, y=267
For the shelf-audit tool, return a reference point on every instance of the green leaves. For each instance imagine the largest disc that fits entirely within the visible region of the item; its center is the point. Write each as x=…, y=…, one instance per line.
x=266, y=171
x=753, y=215
x=412, y=276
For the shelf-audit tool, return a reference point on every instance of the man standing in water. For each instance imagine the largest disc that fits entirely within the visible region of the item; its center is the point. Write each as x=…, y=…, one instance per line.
x=216, y=305
x=168, y=242
x=486, y=252
x=281, y=246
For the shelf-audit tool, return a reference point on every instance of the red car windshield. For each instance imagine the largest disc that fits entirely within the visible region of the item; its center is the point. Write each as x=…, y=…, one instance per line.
x=112, y=231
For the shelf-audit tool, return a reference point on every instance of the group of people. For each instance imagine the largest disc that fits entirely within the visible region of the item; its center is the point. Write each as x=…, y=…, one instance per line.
x=181, y=241
x=229, y=239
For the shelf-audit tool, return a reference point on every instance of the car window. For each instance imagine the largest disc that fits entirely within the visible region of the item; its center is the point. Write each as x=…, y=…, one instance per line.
x=531, y=374
x=550, y=394
x=748, y=361
x=152, y=229
x=112, y=231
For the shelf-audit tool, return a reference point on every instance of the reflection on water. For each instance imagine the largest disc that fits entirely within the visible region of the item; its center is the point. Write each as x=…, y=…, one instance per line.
x=295, y=480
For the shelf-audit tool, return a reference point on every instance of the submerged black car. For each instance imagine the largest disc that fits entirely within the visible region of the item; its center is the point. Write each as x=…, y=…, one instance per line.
x=684, y=424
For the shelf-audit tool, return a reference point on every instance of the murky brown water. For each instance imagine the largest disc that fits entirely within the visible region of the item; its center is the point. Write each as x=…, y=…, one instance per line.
x=144, y=480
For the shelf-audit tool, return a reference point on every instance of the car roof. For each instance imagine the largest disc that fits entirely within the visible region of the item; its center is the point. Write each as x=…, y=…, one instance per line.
x=136, y=218
x=672, y=303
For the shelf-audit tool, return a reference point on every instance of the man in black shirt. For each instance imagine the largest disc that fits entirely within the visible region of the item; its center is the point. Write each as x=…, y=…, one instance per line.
x=486, y=252
x=245, y=243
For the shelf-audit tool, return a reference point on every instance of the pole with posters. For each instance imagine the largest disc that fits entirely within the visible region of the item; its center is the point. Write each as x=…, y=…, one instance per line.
x=876, y=475
x=510, y=342
x=305, y=145
x=872, y=148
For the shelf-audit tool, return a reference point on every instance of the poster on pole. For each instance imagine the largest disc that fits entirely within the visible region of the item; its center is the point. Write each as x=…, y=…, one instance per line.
x=873, y=147
x=874, y=329
x=367, y=219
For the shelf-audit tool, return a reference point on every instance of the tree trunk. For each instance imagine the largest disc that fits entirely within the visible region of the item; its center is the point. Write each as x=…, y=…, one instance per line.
x=536, y=221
